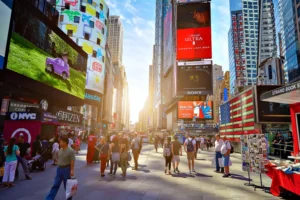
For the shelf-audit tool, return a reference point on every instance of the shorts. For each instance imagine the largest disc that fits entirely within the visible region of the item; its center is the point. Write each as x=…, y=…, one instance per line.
x=190, y=155
x=226, y=160
x=176, y=158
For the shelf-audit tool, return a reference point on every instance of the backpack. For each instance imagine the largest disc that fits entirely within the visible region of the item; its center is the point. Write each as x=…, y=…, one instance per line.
x=167, y=150
x=224, y=148
x=190, y=146
x=232, y=149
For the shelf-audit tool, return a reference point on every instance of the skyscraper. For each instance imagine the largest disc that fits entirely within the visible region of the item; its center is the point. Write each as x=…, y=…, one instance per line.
x=289, y=16
x=244, y=39
x=115, y=39
x=217, y=74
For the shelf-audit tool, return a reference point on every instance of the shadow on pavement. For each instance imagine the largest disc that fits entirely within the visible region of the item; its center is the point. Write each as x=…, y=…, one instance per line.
x=240, y=177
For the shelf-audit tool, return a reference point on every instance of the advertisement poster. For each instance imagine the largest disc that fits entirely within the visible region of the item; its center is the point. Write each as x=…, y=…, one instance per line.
x=258, y=145
x=195, y=110
x=194, y=78
x=270, y=112
x=168, y=40
x=5, y=10
x=194, y=31
x=42, y=52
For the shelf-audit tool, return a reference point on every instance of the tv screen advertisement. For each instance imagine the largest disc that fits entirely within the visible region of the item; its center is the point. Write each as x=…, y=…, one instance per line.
x=194, y=31
x=197, y=110
x=168, y=39
x=194, y=78
x=5, y=10
x=40, y=51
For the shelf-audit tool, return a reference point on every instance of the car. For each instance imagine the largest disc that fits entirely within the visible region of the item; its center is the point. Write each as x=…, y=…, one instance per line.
x=58, y=66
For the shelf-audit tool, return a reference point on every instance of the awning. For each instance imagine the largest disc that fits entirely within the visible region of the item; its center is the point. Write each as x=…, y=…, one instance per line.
x=289, y=94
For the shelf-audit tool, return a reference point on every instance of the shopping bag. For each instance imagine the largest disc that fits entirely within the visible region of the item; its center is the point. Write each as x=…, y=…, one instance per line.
x=213, y=162
x=221, y=162
x=71, y=188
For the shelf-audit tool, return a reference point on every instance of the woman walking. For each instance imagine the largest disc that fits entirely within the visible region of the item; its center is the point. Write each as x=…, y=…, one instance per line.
x=103, y=148
x=11, y=152
x=168, y=155
x=124, y=146
x=115, y=155
x=55, y=150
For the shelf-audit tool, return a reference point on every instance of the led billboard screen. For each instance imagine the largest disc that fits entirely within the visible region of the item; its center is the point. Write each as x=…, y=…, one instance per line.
x=195, y=110
x=40, y=51
x=194, y=31
x=168, y=40
x=5, y=10
x=194, y=78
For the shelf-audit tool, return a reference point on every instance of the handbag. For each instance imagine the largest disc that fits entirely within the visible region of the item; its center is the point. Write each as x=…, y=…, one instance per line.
x=213, y=162
x=71, y=188
x=221, y=162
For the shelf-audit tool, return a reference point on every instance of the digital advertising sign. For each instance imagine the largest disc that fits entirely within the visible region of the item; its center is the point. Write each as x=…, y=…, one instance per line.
x=194, y=31
x=5, y=11
x=168, y=39
x=194, y=78
x=195, y=110
x=40, y=51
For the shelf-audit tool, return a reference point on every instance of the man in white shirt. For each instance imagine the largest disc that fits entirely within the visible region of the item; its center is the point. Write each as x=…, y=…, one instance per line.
x=202, y=142
x=225, y=150
x=218, y=144
x=190, y=148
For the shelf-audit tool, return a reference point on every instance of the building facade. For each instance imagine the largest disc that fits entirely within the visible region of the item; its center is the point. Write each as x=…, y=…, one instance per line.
x=115, y=38
x=217, y=74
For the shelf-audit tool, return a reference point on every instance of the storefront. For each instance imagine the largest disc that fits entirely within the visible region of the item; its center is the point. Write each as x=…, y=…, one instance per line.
x=289, y=94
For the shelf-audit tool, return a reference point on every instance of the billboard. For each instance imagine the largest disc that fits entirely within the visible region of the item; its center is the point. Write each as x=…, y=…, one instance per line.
x=42, y=52
x=87, y=25
x=5, y=10
x=194, y=78
x=168, y=39
x=194, y=31
x=195, y=110
x=269, y=112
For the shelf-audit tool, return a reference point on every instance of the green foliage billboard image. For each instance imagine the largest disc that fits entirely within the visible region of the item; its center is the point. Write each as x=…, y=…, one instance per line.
x=45, y=54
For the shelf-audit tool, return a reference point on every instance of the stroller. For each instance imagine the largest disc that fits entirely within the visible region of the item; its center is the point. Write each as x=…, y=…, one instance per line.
x=39, y=161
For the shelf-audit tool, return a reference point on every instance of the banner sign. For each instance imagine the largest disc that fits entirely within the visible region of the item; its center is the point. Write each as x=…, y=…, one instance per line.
x=49, y=117
x=67, y=116
x=28, y=116
x=19, y=106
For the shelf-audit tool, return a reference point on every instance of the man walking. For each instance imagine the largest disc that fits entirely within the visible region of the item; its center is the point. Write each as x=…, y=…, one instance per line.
x=225, y=150
x=65, y=169
x=202, y=142
x=135, y=146
x=24, y=150
x=176, y=152
x=190, y=147
x=218, y=144
x=156, y=141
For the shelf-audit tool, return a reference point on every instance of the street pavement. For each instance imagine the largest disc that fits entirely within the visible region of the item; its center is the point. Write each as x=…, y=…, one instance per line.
x=149, y=183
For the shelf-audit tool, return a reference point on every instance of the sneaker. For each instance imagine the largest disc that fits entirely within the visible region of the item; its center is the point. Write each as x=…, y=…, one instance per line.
x=194, y=170
x=177, y=170
x=229, y=174
x=190, y=172
x=225, y=176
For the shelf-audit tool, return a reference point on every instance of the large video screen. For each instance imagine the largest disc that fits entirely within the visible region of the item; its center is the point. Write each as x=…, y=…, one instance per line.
x=194, y=31
x=168, y=39
x=194, y=78
x=195, y=110
x=41, y=51
x=5, y=11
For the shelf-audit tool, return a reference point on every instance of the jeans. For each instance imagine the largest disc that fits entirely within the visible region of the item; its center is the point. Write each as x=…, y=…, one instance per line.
x=23, y=162
x=113, y=166
x=62, y=175
x=217, y=156
x=9, y=171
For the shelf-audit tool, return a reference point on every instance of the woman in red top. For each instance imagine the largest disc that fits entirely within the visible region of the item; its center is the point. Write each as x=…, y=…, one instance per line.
x=92, y=140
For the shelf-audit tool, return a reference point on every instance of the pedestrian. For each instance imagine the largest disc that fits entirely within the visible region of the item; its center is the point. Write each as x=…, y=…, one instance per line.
x=168, y=155
x=281, y=145
x=11, y=152
x=156, y=141
x=115, y=155
x=176, y=152
x=36, y=146
x=104, y=152
x=124, y=148
x=92, y=140
x=202, y=142
x=65, y=169
x=162, y=141
x=190, y=147
x=289, y=143
x=225, y=150
x=24, y=148
x=71, y=141
x=218, y=144
x=197, y=145
x=135, y=146
x=275, y=144
x=207, y=140
x=55, y=150
x=77, y=144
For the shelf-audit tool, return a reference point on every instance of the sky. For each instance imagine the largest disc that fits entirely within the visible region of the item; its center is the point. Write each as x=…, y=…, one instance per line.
x=138, y=18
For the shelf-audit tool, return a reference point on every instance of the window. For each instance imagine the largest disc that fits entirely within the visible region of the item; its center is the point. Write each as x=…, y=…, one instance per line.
x=101, y=6
x=76, y=19
x=61, y=18
x=92, y=24
x=103, y=60
x=70, y=33
x=67, y=6
x=103, y=31
x=105, y=22
x=82, y=8
x=94, y=54
x=98, y=41
x=97, y=15
x=86, y=36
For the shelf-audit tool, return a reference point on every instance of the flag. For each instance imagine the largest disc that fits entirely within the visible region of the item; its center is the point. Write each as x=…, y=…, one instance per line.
x=237, y=116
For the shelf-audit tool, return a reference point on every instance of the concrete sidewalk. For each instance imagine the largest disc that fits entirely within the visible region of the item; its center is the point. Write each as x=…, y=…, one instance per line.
x=149, y=183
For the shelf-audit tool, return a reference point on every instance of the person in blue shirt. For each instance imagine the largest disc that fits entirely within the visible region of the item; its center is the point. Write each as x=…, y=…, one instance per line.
x=206, y=110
